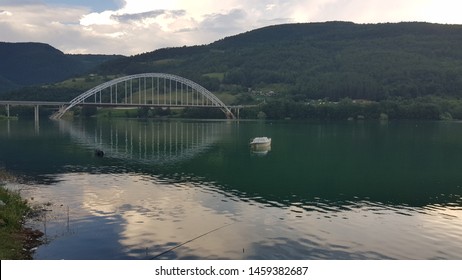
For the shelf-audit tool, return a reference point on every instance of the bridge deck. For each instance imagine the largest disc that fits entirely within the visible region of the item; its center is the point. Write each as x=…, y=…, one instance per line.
x=33, y=103
x=139, y=90
x=113, y=105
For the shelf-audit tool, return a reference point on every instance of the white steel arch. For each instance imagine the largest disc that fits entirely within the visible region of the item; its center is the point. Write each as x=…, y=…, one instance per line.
x=211, y=99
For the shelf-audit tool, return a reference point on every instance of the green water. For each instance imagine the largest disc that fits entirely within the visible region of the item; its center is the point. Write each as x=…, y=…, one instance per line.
x=325, y=190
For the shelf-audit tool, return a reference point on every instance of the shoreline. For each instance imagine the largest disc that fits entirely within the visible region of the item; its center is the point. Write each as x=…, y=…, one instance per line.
x=17, y=242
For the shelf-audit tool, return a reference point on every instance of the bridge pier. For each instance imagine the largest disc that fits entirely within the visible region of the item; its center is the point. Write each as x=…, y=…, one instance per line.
x=8, y=110
x=36, y=119
x=36, y=113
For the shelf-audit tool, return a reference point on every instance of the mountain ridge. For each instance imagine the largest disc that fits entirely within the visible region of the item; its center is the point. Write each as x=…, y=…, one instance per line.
x=306, y=61
x=34, y=63
x=319, y=60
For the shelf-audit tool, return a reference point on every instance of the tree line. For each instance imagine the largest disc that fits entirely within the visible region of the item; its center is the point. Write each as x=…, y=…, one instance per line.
x=424, y=108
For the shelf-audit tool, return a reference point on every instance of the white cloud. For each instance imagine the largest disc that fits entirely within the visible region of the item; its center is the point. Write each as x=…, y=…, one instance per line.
x=145, y=25
x=446, y=11
x=5, y=13
x=104, y=18
x=38, y=22
x=269, y=7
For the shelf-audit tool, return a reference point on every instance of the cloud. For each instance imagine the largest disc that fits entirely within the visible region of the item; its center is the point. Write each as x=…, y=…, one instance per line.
x=233, y=20
x=20, y=2
x=5, y=13
x=134, y=26
x=148, y=15
x=38, y=22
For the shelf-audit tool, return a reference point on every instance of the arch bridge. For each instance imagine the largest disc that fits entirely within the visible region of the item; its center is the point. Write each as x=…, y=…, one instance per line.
x=148, y=90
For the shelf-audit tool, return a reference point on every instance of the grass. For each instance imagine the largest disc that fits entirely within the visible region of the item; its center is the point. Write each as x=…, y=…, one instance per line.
x=117, y=113
x=13, y=237
x=85, y=82
x=167, y=61
x=8, y=118
x=219, y=76
x=226, y=97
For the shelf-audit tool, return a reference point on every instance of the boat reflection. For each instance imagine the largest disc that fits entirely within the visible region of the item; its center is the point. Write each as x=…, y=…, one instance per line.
x=260, y=151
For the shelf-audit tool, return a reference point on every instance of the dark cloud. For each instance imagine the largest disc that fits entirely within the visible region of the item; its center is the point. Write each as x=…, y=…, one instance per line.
x=149, y=14
x=185, y=30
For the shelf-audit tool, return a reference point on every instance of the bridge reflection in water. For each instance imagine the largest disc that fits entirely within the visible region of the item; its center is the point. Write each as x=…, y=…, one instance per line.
x=151, y=142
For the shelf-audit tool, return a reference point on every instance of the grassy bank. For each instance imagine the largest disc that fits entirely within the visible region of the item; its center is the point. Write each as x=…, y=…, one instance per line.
x=7, y=118
x=15, y=240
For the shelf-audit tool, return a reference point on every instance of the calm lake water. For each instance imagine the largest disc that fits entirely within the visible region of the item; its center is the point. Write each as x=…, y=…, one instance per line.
x=194, y=190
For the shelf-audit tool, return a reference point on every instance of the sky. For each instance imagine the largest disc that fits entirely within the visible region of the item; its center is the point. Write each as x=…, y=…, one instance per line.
x=131, y=27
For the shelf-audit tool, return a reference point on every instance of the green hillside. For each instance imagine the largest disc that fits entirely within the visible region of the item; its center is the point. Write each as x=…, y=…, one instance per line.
x=26, y=64
x=333, y=70
x=6, y=85
x=319, y=60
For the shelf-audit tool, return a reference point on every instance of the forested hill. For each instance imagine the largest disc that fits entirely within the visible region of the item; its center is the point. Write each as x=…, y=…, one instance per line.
x=319, y=60
x=24, y=64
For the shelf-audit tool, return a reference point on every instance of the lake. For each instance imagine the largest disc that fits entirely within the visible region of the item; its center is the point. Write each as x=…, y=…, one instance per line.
x=188, y=189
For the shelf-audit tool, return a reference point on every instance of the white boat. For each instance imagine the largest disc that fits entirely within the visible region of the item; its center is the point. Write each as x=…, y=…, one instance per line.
x=260, y=144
